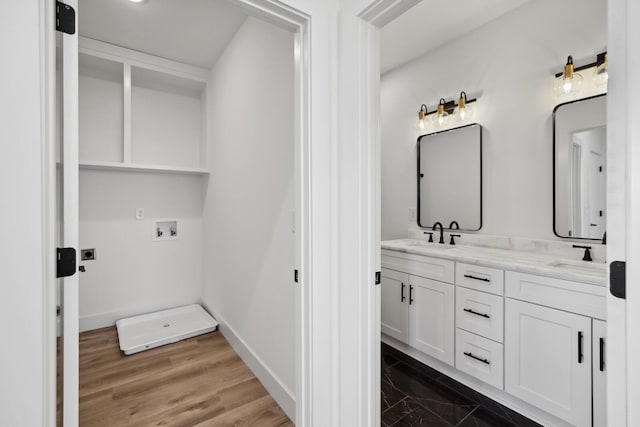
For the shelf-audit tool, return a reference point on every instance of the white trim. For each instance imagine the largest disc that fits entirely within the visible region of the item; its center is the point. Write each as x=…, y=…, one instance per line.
x=370, y=20
x=632, y=104
x=48, y=114
x=133, y=167
x=280, y=393
x=126, y=110
x=142, y=60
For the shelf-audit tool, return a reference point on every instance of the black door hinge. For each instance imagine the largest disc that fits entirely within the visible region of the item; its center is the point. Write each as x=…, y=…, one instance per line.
x=66, y=262
x=378, y=278
x=618, y=279
x=295, y=276
x=65, y=18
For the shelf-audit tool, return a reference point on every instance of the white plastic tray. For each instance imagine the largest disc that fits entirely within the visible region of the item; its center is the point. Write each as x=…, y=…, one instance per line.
x=153, y=330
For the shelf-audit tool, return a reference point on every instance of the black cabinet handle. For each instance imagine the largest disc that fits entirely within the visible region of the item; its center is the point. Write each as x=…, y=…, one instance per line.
x=402, y=297
x=468, y=310
x=410, y=294
x=479, y=359
x=580, y=355
x=469, y=276
x=601, y=354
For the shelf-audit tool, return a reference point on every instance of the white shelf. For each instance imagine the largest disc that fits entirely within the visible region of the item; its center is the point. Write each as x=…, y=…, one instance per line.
x=132, y=167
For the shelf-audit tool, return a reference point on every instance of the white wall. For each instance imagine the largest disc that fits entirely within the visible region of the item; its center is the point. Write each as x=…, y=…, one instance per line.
x=22, y=252
x=132, y=273
x=509, y=62
x=249, y=245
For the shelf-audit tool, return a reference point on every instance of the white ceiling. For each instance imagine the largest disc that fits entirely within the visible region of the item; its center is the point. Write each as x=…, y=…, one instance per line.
x=432, y=23
x=194, y=32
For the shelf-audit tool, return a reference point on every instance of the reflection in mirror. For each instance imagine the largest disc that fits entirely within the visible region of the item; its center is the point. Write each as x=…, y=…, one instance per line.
x=450, y=178
x=579, y=139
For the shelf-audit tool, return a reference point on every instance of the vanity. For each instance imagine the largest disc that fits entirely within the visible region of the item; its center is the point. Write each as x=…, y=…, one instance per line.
x=524, y=327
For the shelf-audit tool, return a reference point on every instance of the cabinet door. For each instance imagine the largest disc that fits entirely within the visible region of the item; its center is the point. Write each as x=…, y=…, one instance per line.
x=548, y=360
x=599, y=373
x=431, y=317
x=395, y=304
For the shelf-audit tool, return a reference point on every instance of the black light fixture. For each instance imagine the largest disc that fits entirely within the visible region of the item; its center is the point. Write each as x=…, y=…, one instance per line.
x=460, y=111
x=422, y=118
x=569, y=81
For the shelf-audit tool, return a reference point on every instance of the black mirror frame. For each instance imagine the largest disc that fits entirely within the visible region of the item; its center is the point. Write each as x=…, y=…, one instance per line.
x=553, y=164
x=419, y=177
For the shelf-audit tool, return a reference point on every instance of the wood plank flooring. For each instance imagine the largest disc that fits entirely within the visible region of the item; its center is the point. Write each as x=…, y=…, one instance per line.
x=197, y=382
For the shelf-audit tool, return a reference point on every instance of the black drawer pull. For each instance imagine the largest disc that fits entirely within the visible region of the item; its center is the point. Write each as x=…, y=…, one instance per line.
x=410, y=294
x=402, y=297
x=601, y=354
x=580, y=355
x=479, y=359
x=469, y=276
x=468, y=310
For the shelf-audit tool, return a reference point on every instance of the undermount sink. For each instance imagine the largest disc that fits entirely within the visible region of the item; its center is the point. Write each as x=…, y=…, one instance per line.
x=424, y=244
x=582, y=266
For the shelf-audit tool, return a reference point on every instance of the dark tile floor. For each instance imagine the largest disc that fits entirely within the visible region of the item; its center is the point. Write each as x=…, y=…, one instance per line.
x=414, y=394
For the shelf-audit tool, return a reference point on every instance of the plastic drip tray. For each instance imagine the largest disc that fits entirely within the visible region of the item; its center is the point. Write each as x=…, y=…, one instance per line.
x=153, y=330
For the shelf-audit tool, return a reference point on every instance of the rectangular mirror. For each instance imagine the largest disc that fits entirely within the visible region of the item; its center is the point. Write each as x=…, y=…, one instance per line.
x=450, y=178
x=579, y=178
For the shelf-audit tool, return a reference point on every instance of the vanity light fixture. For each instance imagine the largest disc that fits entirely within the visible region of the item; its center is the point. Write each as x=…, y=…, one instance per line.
x=569, y=81
x=422, y=118
x=601, y=73
x=464, y=111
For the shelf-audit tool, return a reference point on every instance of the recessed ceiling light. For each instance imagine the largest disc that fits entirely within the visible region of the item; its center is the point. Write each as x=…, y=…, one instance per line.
x=137, y=1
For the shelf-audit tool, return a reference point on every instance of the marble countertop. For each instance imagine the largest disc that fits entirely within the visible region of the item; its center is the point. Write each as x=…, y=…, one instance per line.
x=540, y=263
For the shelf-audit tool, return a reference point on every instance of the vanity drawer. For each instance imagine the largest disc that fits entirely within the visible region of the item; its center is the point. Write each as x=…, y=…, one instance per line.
x=575, y=297
x=480, y=358
x=484, y=279
x=480, y=313
x=418, y=265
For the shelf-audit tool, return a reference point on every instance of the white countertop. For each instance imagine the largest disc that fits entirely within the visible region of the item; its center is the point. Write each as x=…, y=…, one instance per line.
x=540, y=263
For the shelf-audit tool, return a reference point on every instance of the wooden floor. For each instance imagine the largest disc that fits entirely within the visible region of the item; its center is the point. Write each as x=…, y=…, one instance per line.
x=196, y=382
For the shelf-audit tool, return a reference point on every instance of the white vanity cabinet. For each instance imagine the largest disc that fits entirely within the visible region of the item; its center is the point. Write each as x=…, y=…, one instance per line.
x=394, y=307
x=548, y=360
x=599, y=347
x=417, y=307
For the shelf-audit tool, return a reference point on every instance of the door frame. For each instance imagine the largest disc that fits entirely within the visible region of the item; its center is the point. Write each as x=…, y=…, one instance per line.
x=282, y=16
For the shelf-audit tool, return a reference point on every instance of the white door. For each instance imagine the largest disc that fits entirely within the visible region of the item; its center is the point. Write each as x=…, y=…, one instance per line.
x=599, y=348
x=431, y=317
x=548, y=360
x=394, y=304
x=70, y=228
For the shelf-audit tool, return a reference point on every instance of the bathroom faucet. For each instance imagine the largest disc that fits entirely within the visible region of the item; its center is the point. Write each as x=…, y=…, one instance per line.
x=441, y=241
x=587, y=252
x=454, y=223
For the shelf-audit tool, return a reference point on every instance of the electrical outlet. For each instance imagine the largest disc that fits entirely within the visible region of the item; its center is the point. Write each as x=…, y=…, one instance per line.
x=139, y=213
x=412, y=214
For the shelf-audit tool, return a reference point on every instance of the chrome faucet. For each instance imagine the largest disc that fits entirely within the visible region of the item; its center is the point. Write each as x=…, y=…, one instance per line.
x=441, y=241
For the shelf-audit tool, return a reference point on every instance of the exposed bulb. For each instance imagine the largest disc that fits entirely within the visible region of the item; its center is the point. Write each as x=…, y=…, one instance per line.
x=464, y=111
x=601, y=74
x=441, y=115
x=570, y=82
x=421, y=124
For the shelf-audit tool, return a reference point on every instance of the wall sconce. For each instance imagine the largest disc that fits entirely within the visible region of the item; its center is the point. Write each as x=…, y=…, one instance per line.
x=464, y=111
x=421, y=125
x=569, y=82
x=441, y=117
x=601, y=73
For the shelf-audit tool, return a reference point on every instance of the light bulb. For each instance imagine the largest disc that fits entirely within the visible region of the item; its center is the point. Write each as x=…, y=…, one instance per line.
x=464, y=111
x=601, y=74
x=441, y=116
x=421, y=124
x=569, y=82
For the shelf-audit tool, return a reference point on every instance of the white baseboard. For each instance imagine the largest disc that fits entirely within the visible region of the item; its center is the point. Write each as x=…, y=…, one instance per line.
x=280, y=393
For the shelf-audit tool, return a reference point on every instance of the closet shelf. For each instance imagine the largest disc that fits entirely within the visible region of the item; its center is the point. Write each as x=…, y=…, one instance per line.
x=132, y=167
